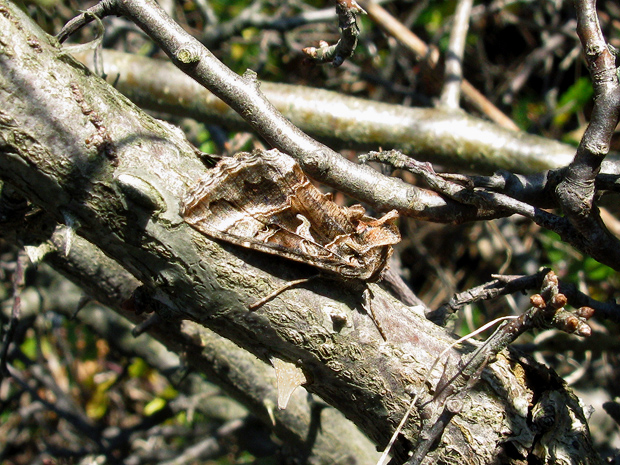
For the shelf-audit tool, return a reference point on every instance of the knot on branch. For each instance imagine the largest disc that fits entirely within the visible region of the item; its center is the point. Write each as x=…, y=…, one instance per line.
x=188, y=53
x=576, y=196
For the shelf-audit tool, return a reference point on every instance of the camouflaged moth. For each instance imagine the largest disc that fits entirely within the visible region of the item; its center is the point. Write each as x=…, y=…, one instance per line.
x=264, y=201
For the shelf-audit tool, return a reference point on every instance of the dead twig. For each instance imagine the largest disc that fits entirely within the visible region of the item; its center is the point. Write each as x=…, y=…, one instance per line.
x=347, y=11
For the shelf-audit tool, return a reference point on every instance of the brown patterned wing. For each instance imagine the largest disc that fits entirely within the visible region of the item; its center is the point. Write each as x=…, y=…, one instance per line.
x=264, y=201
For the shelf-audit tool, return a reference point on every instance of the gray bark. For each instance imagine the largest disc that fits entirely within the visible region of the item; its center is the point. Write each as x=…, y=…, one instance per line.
x=427, y=134
x=82, y=152
x=243, y=376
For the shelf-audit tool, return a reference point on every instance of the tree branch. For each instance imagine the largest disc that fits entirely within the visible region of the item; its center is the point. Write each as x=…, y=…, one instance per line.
x=240, y=374
x=451, y=92
x=341, y=121
x=80, y=151
x=576, y=191
x=497, y=204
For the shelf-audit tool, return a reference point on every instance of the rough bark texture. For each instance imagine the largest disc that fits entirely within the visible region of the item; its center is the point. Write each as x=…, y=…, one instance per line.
x=82, y=152
x=314, y=433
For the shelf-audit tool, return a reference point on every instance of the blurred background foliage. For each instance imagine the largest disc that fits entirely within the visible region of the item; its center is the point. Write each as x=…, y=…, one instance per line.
x=524, y=56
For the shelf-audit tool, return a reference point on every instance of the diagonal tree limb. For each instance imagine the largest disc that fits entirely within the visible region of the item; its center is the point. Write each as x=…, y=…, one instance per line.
x=244, y=96
x=240, y=374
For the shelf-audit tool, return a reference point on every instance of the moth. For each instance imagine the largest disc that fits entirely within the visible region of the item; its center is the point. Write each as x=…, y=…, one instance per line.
x=263, y=201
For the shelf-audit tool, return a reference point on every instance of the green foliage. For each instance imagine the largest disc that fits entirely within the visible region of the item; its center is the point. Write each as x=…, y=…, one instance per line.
x=573, y=101
x=29, y=348
x=527, y=111
x=138, y=368
x=207, y=145
x=433, y=17
x=573, y=267
x=226, y=10
x=99, y=402
x=596, y=271
x=154, y=406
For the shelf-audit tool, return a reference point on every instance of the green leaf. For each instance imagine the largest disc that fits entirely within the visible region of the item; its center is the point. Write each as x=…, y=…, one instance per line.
x=573, y=100
x=138, y=368
x=154, y=406
x=596, y=271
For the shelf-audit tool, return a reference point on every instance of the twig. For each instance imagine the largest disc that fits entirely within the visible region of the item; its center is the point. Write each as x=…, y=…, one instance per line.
x=394, y=282
x=452, y=405
x=243, y=95
x=547, y=311
x=494, y=204
x=347, y=10
x=252, y=17
x=502, y=285
x=77, y=418
x=210, y=447
x=199, y=288
x=395, y=28
x=450, y=94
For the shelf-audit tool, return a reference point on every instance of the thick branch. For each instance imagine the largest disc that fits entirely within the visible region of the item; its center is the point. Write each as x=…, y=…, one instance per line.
x=240, y=374
x=451, y=139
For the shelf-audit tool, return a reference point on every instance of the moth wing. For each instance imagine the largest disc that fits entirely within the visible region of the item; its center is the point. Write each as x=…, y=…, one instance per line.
x=254, y=231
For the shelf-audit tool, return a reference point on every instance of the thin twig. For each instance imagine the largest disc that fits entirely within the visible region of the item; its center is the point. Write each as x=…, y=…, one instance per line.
x=347, y=10
x=492, y=203
x=451, y=92
x=501, y=285
x=395, y=28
